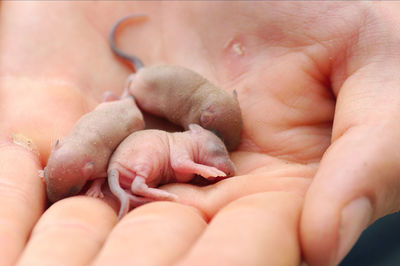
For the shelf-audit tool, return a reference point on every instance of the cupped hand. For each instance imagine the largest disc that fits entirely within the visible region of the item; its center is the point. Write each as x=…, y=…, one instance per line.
x=318, y=158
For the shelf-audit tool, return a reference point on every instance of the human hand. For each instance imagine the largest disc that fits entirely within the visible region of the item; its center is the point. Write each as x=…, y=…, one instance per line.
x=310, y=51
x=281, y=63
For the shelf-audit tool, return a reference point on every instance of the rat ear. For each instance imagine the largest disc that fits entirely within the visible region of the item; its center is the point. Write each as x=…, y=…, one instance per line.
x=88, y=170
x=56, y=144
x=235, y=94
x=206, y=118
x=195, y=128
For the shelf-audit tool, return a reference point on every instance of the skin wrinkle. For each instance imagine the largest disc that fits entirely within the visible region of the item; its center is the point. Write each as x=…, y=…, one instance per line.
x=27, y=199
x=346, y=70
x=149, y=219
x=292, y=128
x=332, y=49
x=317, y=72
x=359, y=118
x=320, y=91
x=263, y=160
x=72, y=224
x=262, y=149
x=248, y=210
x=210, y=195
x=13, y=190
x=152, y=218
x=58, y=228
x=28, y=153
x=372, y=32
x=312, y=155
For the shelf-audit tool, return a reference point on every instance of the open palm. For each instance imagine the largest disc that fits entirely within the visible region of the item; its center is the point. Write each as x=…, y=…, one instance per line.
x=292, y=64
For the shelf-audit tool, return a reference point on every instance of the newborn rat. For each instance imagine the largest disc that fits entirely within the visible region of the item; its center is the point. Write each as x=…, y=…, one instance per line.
x=149, y=158
x=84, y=154
x=185, y=97
x=182, y=96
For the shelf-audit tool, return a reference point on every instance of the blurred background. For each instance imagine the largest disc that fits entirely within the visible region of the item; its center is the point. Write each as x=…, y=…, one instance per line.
x=378, y=245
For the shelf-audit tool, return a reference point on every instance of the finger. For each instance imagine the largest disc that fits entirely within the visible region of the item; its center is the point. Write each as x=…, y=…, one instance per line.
x=22, y=198
x=70, y=232
x=153, y=234
x=259, y=229
x=355, y=185
x=210, y=199
x=358, y=178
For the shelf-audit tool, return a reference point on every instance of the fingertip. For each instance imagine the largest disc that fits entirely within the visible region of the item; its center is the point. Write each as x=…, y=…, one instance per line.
x=22, y=198
x=319, y=226
x=329, y=231
x=87, y=209
x=356, y=183
x=355, y=217
x=157, y=233
x=76, y=225
x=258, y=229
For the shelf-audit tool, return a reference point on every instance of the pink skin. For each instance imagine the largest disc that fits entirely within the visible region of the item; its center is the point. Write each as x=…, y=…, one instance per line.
x=83, y=155
x=149, y=158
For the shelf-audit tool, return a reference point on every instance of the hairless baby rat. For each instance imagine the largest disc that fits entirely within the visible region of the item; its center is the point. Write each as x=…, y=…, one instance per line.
x=84, y=154
x=148, y=158
x=183, y=97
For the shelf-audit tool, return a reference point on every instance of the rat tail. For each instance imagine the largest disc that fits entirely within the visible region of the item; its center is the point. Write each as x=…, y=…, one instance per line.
x=113, y=182
x=135, y=61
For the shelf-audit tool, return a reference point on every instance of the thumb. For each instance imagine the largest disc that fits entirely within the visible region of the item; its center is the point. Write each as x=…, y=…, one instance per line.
x=358, y=178
x=356, y=184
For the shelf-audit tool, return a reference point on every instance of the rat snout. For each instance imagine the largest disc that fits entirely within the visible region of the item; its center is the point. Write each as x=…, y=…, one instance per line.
x=61, y=187
x=55, y=194
x=228, y=168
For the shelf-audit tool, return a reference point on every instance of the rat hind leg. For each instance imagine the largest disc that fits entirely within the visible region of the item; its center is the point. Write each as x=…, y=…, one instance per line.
x=136, y=201
x=95, y=188
x=115, y=187
x=139, y=187
x=190, y=167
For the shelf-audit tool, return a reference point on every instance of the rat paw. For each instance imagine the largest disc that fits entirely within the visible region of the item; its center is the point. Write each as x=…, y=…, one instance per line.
x=140, y=188
x=95, y=189
x=95, y=193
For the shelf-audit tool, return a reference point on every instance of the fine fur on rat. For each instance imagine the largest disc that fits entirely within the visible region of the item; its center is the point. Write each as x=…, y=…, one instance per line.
x=184, y=97
x=84, y=154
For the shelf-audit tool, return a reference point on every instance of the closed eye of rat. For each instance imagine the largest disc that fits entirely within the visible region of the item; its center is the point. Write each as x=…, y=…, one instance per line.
x=149, y=158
